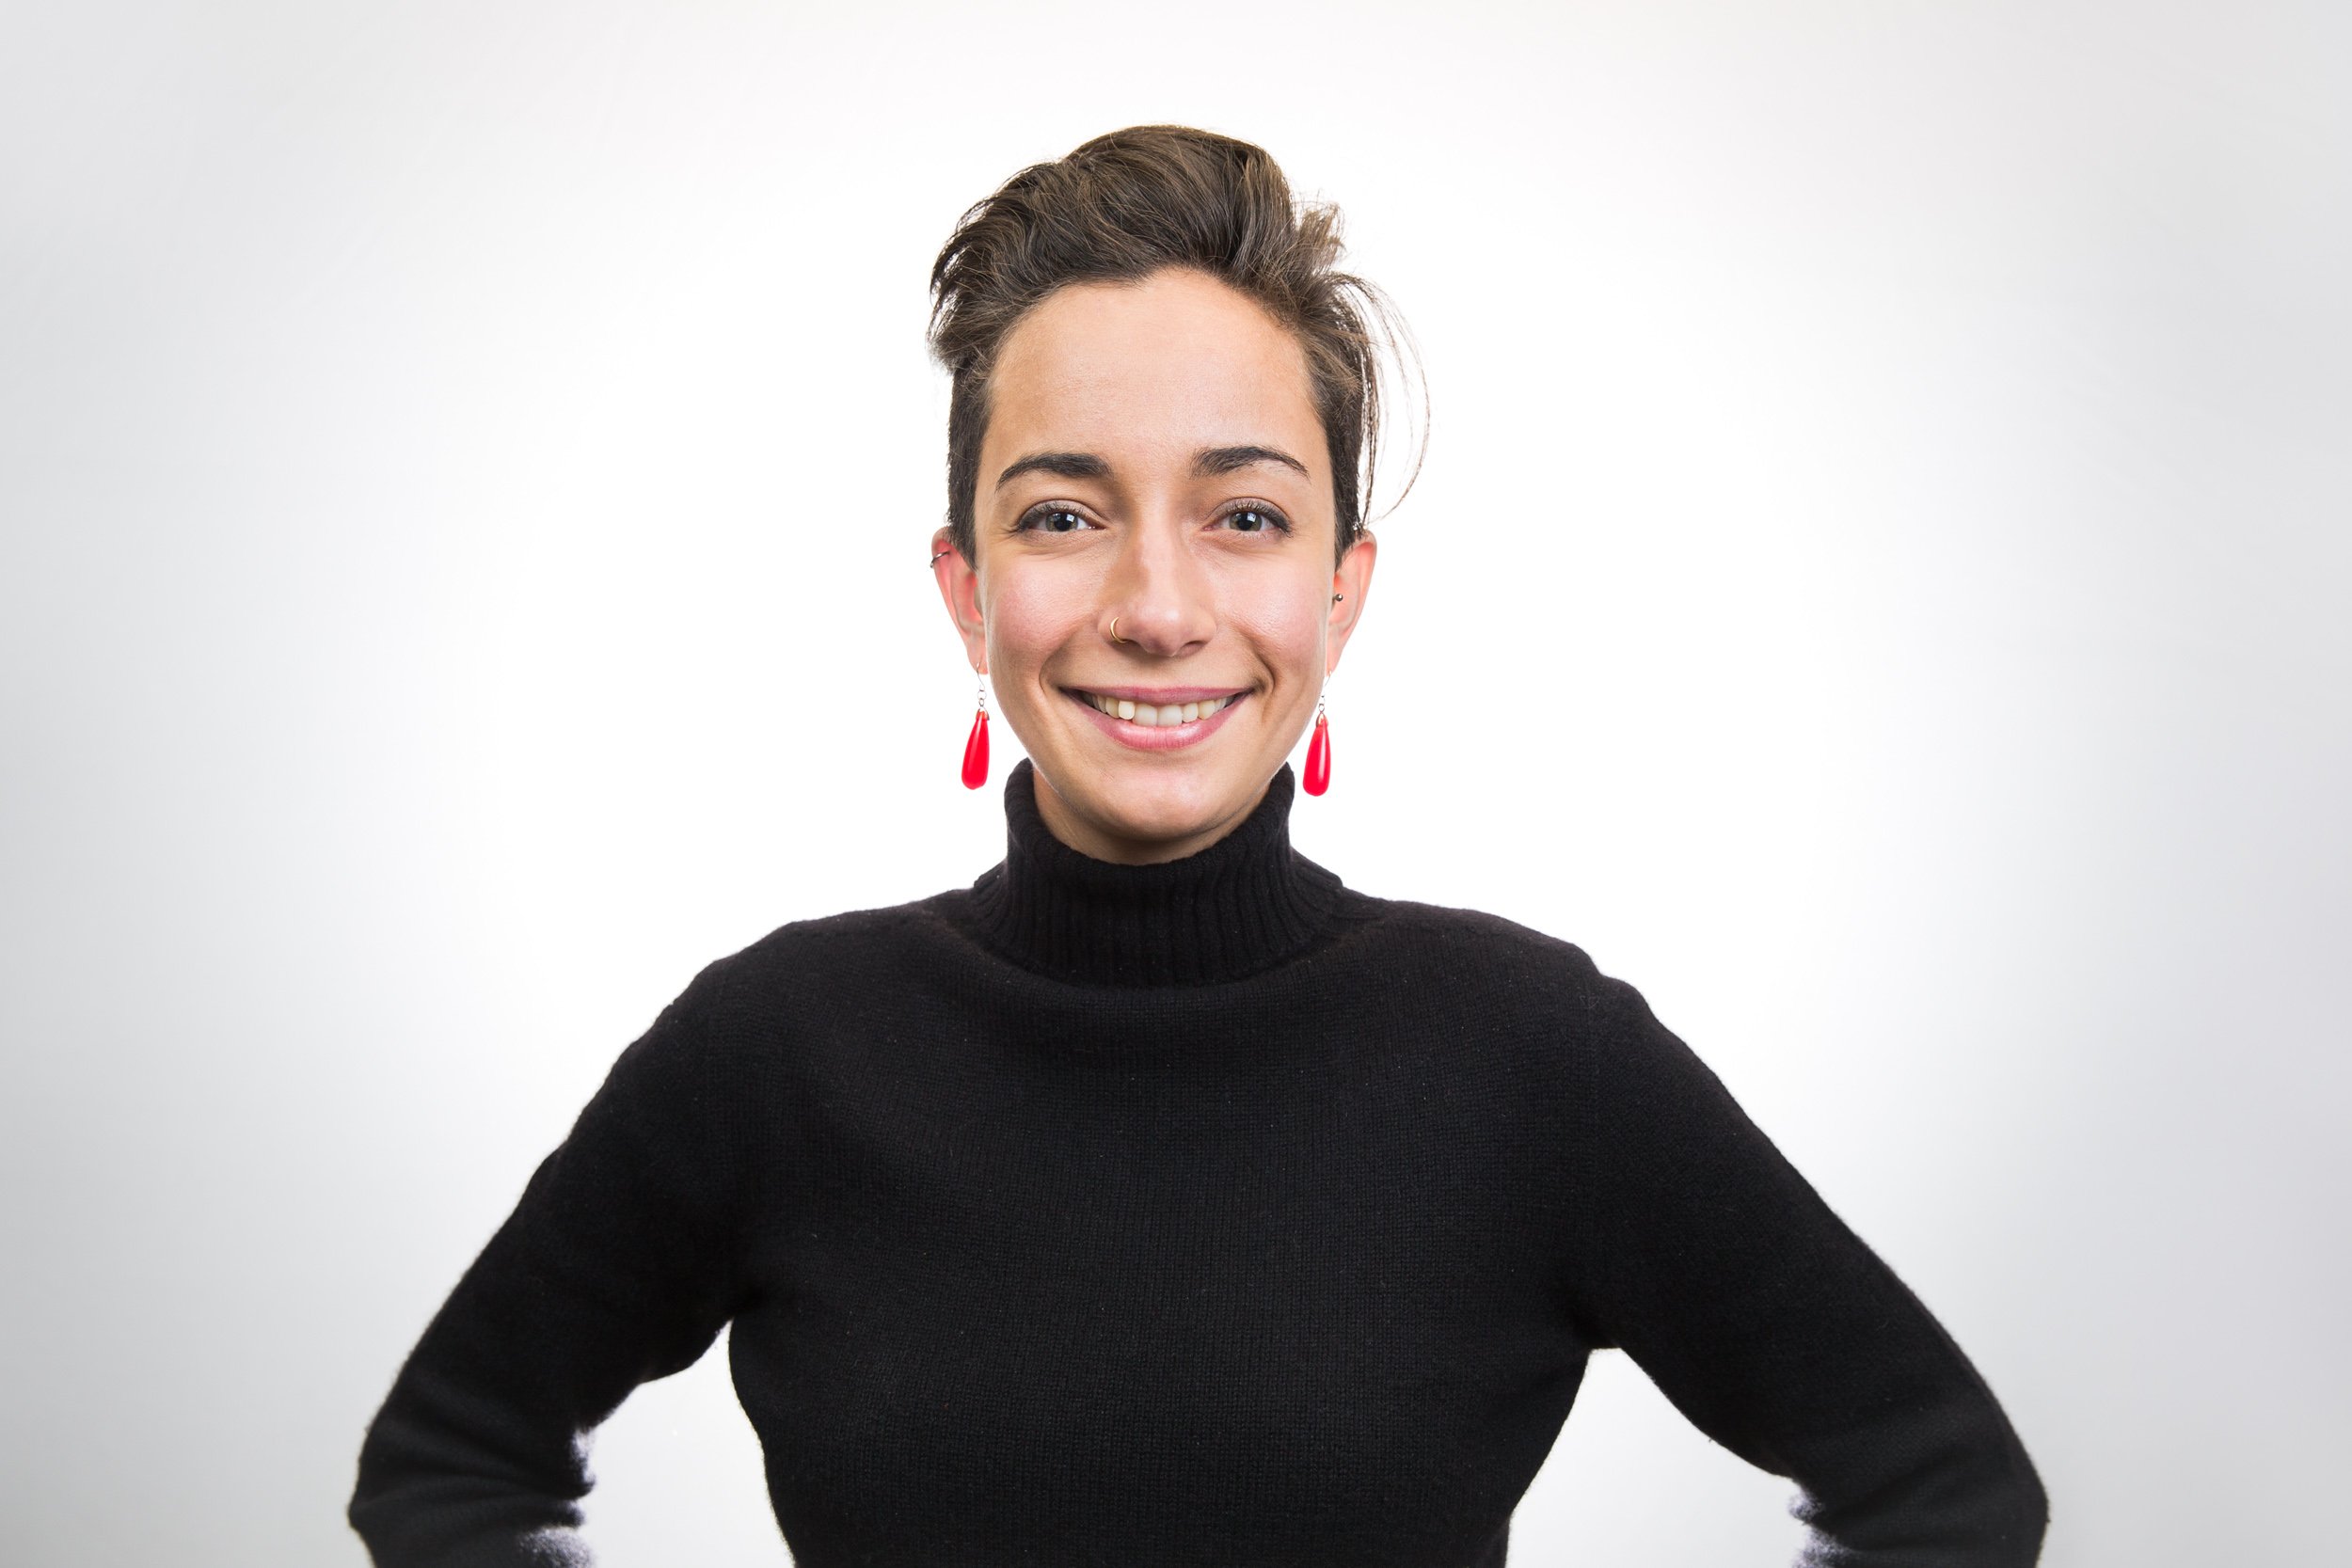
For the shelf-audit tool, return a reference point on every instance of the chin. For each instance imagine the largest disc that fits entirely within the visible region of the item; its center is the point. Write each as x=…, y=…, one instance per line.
x=1149, y=802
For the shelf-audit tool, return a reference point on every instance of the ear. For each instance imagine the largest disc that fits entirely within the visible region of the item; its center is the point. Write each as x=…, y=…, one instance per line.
x=960, y=587
x=1351, y=581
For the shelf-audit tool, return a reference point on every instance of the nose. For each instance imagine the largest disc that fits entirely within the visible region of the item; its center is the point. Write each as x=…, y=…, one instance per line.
x=1157, y=599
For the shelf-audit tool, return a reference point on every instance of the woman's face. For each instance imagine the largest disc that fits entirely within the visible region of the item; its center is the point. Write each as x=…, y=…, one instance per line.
x=1154, y=526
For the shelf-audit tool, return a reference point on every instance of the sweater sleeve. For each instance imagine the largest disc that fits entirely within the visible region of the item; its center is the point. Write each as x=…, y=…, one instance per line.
x=617, y=1266
x=1774, y=1328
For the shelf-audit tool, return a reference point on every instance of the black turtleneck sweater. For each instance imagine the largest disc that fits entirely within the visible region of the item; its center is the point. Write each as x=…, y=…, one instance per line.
x=1207, y=1214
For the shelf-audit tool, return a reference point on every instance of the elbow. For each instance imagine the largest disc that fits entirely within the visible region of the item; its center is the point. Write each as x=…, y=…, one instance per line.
x=459, y=1524
x=425, y=1497
x=1975, y=1505
x=2014, y=1507
x=2030, y=1506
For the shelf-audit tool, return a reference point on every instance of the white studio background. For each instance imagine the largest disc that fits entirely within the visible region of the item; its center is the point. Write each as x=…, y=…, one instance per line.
x=1879, y=584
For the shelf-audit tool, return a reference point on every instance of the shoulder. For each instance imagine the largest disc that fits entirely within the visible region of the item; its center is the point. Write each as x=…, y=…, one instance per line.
x=743, y=1030
x=826, y=962
x=1510, y=976
x=1475, y=948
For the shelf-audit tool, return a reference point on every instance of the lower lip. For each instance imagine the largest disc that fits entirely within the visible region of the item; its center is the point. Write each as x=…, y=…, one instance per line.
x=1157, y=738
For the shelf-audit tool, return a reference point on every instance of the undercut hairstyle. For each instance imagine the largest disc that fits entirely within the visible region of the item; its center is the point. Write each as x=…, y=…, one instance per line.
x=1131, y=203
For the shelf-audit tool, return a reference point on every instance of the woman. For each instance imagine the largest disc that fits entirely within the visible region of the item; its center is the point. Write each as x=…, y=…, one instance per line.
x=1158, y=1198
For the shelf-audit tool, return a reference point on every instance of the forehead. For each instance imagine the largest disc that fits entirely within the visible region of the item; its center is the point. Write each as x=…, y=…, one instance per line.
x=1162, y=367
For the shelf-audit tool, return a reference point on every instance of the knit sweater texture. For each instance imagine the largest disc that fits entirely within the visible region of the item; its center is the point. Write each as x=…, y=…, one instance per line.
x=1208, y=1214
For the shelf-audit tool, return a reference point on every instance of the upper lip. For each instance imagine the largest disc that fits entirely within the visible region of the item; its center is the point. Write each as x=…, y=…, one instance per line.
x=1160, y=696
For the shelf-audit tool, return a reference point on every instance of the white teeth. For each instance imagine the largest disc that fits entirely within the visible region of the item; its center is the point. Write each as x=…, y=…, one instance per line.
x=1154, y=718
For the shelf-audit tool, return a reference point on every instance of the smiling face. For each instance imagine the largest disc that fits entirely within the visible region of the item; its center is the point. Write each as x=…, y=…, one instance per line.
x=1154, y=530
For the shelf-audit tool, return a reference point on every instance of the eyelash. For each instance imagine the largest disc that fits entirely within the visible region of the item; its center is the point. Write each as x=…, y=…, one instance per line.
x=1275, y=522
x=1030, y=519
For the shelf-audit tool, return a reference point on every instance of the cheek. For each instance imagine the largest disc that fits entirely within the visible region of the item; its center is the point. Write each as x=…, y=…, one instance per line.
x=1286, y=629
x=1031, y=616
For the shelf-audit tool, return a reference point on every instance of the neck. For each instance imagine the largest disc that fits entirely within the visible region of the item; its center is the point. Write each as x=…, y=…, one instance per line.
x=1245, y=902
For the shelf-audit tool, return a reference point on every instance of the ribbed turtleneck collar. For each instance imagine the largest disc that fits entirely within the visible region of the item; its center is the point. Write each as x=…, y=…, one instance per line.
x=1244, y=903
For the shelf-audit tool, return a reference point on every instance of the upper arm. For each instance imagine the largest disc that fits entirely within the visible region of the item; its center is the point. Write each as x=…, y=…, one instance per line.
x=1772, y=1326
x=618, y=1264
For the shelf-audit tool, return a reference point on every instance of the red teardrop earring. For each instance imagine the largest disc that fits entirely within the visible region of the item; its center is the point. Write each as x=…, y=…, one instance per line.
x=976, y=745
x=1318, y=776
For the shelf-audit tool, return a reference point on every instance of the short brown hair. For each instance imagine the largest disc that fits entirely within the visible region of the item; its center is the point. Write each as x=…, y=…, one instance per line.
x=1124, y=206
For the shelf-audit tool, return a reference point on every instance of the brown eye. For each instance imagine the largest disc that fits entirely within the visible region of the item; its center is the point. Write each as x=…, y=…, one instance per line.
x=1053, y=519
x=1256, y=520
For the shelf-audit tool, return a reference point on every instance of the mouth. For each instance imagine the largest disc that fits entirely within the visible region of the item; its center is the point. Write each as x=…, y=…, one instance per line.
x=1160, y=721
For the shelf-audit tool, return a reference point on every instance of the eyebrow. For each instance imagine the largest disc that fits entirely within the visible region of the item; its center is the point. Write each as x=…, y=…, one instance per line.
x=1224, y=460
x=1206, y=463
x=1066, y=465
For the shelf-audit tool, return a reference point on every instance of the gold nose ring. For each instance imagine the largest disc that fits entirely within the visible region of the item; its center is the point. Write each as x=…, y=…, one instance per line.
x=1115, y=637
